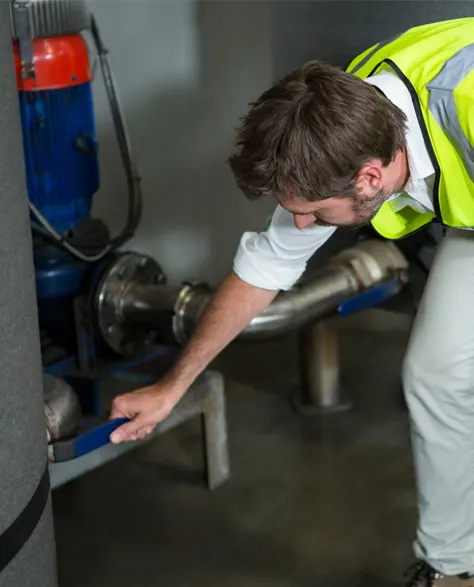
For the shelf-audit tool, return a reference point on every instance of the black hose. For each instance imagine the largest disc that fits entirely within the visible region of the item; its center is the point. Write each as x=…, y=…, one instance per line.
x=133, y=178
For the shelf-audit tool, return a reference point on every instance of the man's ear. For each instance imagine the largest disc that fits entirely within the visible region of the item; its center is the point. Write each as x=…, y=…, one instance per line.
x=370, y=177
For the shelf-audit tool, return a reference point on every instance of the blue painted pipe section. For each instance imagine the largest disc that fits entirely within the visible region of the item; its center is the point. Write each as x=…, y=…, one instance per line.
x=370, y=297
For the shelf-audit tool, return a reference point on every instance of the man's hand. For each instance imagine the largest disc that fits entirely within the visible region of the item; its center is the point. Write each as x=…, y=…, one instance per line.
x=145, y=408
x=232, y=307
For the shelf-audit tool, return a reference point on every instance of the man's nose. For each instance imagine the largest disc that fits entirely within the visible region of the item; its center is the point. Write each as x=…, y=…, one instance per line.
x=302, y=221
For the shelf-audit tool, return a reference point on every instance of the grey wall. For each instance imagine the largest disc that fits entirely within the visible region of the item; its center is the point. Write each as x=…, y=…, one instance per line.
x=186, y=71
x=337, y=30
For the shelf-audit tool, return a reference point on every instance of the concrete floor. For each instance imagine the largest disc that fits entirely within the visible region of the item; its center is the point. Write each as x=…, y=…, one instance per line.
x=310, y=502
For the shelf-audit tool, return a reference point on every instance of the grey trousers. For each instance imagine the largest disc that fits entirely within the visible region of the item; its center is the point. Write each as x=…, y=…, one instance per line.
x=438, y=379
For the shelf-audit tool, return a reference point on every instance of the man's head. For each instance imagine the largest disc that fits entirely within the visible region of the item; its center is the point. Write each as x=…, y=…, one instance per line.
x=326, y=144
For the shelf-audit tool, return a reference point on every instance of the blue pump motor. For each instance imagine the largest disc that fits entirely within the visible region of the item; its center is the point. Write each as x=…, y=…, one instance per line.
x=61, y=158
x=60, y=148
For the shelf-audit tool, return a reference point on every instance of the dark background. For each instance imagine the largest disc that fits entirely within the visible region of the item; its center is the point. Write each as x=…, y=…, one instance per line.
x=337, y=30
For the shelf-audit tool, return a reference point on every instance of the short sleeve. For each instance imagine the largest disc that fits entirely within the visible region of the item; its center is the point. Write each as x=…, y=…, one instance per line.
x=276, y=258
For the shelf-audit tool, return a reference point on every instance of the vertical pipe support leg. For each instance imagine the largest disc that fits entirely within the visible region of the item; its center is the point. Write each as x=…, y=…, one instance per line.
x=214, y=424
x=318, y=353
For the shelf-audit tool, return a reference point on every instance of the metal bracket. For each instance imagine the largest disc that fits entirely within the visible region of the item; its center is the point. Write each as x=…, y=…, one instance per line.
x=67, y=450
x=23, y=29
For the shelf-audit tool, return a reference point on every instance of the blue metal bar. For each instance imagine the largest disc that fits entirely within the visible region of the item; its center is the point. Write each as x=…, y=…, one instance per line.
x=91, y=440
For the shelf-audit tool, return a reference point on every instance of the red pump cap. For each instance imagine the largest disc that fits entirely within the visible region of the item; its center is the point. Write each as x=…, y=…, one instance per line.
x=59, y=62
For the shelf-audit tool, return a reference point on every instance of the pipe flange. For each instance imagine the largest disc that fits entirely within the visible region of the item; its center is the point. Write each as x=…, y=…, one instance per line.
x=374, y=261
x=191, y=293
x=180, y=312
x=127, y=269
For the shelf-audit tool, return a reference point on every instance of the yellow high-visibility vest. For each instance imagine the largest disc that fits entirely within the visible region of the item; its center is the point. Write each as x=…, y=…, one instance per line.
x=436, y=64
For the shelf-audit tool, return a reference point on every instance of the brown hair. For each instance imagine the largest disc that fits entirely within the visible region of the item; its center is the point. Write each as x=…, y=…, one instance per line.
x=309, y=135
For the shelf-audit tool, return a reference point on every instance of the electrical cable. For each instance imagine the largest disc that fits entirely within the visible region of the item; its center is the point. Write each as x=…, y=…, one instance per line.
x=48, y=228
x=133, y=178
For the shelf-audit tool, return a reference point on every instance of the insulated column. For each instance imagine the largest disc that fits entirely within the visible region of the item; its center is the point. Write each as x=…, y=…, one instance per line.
x=24, y=488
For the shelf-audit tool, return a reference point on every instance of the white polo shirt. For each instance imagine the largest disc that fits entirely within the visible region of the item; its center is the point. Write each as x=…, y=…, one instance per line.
x=276, y=258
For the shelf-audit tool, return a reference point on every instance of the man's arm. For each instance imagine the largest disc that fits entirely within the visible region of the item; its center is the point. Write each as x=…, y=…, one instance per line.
x=264, y=264
x=233, y=306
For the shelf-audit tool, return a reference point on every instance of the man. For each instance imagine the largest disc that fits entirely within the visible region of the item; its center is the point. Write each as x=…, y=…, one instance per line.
x=390, y=142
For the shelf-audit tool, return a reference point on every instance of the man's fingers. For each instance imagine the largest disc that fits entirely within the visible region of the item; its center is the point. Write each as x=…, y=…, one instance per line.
x=144, y=432
x=131, y=431
x=142, y=409
x=119, y=408
x=126, y=432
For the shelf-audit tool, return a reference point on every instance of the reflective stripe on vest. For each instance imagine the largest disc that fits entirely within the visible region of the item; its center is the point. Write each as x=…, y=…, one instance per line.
x=442, y=103
x=374, y=50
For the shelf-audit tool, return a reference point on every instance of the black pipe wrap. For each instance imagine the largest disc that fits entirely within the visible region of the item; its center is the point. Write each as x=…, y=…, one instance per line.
x=23, y=449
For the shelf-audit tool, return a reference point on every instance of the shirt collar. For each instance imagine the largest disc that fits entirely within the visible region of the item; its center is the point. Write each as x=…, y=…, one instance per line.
x=418, y=158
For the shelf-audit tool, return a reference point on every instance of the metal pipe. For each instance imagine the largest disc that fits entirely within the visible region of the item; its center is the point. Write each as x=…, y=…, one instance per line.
x=61, y=408
x=304, y=304
x=351, y=271
x=27, y=548
x=288, y=312
x=136, y=302
x=145, y=305
x=150, y=306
